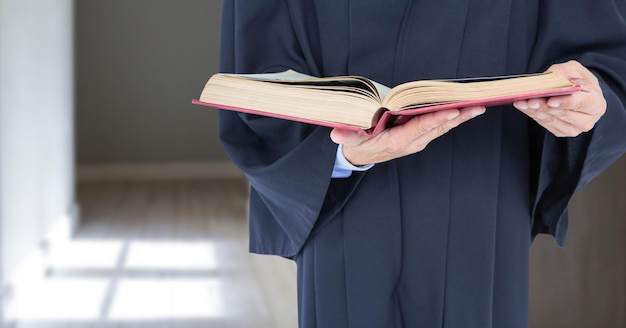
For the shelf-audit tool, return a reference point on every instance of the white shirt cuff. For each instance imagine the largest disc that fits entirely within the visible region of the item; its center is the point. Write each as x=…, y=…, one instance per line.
x=343, y=168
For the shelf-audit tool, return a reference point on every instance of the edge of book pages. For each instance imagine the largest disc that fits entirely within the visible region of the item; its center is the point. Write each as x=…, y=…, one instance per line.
x=388, y=118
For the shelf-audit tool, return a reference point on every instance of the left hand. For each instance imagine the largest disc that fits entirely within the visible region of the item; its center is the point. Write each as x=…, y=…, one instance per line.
x=569, y=115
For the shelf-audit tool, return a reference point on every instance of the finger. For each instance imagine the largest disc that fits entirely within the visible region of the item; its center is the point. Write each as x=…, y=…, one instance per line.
x=530, y=104
x=570, y=120
x=580, y=110
x=576, y=102
x=437, y=121
x=550, y=122
x=570, y=108
x=347, y=137
x=572, y=114
x=535, y=108
x=521, y=104
x=537, y=103
x=465, y=114
x=585, y=103
x=562, y=122
x=396, y=140
x=546, y=118
x=425, y=123
x=471, y=112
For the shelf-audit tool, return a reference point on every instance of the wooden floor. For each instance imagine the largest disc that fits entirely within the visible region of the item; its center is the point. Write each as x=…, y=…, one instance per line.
x=162, y=254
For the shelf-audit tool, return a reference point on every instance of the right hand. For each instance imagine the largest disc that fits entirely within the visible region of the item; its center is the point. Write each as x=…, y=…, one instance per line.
x=401, y=140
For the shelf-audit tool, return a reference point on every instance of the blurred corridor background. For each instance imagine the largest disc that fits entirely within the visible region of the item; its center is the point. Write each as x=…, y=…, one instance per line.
x=119, y=208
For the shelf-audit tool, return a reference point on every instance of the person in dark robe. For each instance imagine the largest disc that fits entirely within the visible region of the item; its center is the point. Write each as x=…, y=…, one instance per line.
x=430, y=223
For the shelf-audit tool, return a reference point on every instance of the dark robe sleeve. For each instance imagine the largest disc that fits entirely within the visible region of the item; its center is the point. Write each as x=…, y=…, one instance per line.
x=593, y=33
x=288, y=164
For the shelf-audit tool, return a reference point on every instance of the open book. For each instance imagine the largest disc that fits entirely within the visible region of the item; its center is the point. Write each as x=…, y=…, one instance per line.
x=358, y=103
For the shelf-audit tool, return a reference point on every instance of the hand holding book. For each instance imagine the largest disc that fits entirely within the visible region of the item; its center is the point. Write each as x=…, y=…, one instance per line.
x=401, y=140
x=568, y=116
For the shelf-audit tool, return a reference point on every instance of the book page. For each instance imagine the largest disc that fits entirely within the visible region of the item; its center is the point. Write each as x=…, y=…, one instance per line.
x=280, y=76
x=381, y=88
x=432, y=92
x=347, y=83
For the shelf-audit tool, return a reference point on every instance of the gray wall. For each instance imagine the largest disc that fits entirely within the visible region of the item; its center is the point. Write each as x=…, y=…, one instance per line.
x=138, y=65
x=36, y=140
x=584, y=284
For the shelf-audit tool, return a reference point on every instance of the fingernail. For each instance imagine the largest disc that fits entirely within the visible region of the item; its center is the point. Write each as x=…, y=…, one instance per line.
x=535, y=105
x=477, y=112
x=554, y=104
x=523, y=106
x=453, y=115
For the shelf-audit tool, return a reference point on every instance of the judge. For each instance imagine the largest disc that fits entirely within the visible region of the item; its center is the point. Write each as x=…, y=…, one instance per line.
x=428, y=224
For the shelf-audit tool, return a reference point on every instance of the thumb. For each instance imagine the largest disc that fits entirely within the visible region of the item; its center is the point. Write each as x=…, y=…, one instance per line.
x=573, y=71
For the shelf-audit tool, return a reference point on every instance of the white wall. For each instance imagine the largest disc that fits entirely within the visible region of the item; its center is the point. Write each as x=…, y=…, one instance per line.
x=36, y=125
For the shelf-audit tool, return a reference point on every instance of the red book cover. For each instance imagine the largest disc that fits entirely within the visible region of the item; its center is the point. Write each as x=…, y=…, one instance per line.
x=387, y=118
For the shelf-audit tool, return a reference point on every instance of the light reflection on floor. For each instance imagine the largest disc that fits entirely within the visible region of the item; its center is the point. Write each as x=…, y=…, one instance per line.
x=116, y=280
x=58, y=299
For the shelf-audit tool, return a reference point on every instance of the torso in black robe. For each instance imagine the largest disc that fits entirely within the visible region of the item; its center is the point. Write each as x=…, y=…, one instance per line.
x=439, y=238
